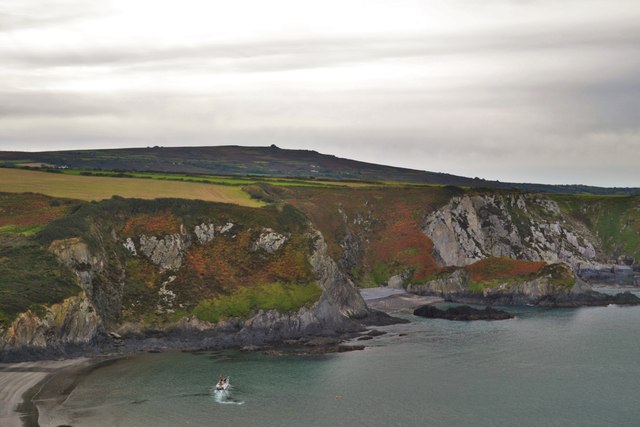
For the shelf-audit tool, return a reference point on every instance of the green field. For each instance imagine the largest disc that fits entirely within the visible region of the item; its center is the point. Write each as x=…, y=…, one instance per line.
x=101, y=188
x=222, y=180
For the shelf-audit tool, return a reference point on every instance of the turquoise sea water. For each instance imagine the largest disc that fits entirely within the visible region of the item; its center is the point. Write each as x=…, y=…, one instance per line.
x=546, y=367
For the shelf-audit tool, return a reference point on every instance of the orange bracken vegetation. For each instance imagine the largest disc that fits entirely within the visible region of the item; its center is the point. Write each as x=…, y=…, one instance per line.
x=155, y=224
x=503, y=267
x=228, y=262
x=402, y=241
x=30, y=209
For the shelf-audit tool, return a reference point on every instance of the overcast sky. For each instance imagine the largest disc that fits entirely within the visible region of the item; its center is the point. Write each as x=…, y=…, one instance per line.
x=516, y=90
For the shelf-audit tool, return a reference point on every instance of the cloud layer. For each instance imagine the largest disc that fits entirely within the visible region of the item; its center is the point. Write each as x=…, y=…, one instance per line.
x=537, y=91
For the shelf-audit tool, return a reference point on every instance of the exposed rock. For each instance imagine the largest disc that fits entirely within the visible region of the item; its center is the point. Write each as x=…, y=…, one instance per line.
x=339, y=291
x=551, y=287
x=396, y=282
x=344, y=348
x=100, y=273
x=130, y=246
x=226, y=228
x=269, y=241
x=607, y=274
x=470, y=228
x=204, y=233
x=166, y=297
x=166, y=252
x=453, y=283
x=75, y=254
x=74, y=321
x=461, y=313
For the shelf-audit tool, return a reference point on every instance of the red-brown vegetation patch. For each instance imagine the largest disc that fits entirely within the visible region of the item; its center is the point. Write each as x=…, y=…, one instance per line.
x=228, y=262
x=386, y=220
x=30, y=209
x=154, y=223
x=502, y=268
x=403, y=242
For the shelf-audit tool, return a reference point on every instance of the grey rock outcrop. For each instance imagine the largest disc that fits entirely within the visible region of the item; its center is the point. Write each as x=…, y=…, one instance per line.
x=204, y=233
x=543, y=290
x=130, y=246
x=339, y=291
x=470, y=228
x=75, y=254
x=100, y=273
x=75, y=321
x=166, y=252
x=269, y=241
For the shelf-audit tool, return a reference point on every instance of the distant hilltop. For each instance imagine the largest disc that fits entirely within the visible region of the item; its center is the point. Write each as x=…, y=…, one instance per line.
x=266, y=161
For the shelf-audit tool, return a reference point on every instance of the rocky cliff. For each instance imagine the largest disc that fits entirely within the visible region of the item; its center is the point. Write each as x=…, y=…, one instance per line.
x=554, y=285
x=215, y=274
x=520, y=226
x=147, y=275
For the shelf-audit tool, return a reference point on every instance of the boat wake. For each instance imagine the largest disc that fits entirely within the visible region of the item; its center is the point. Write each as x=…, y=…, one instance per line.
x=224, y=397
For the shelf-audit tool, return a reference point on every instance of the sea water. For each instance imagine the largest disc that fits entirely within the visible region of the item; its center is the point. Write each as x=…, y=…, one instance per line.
x=546, y=367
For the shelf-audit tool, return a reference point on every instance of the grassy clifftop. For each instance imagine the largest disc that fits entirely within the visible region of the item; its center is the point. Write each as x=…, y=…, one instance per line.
x=614, y=219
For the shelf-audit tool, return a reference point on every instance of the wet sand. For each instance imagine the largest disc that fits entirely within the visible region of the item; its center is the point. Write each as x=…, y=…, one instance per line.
x=391, y=300
x=31, y=393
x=17, y=380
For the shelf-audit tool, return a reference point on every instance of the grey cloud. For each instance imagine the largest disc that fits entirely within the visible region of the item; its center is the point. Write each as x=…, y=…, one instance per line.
x=28, y=14
x=324, y=52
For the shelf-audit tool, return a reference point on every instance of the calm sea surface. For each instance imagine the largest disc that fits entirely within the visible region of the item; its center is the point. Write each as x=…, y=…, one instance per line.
x=547, y=367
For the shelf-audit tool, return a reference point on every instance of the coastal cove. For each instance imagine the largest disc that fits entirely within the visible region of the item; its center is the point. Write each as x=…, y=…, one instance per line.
x=546, y=366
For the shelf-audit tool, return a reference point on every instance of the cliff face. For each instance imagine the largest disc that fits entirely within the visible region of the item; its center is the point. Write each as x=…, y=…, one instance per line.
x=206, y=270
x=143, y=272
x=531, y=227
x=554, y=285
x=74, y=322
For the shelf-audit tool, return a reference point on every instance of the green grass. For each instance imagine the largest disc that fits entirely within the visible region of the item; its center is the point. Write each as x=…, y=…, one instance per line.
x=23, y=230
x=274, y=296
x=29, y=274
x=615, y=220
x=560, y=277
x=211, y=179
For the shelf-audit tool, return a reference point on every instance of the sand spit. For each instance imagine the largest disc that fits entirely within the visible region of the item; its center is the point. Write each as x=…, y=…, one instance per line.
x=392, y=301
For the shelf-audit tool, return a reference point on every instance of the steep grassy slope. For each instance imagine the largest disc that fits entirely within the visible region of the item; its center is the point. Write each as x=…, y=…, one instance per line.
x=29, y=274
x=615, y=220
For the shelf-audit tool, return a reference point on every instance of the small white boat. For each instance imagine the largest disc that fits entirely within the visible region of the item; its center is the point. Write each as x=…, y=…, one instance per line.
x=223, y=384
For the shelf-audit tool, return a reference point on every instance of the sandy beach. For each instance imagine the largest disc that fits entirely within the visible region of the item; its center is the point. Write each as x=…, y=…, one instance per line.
x=31, y=392
x=390, y=300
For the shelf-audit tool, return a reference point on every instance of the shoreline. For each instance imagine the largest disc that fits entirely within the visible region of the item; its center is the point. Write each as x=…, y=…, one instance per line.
x=32, y=392
x=392, y=301
x=21, y=382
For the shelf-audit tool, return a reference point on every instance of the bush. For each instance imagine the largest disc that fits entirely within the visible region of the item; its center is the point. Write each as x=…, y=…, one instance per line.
x=274, y=296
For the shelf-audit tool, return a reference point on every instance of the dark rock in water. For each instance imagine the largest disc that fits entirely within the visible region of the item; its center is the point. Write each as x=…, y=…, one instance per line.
x=626, y=298
x=379, y=318
x=591, y=298
x=461, y=313
x=345, y=348
x=322, y=341
x=365, y=338
x=376, y=333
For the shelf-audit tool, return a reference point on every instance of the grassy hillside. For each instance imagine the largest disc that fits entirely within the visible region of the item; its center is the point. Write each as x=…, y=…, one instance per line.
x=265, y=161
x=100, y=188
x=29, y=274
x=615, y=220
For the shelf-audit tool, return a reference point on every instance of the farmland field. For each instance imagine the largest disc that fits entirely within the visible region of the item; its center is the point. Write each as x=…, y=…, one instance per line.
x=100, y=188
